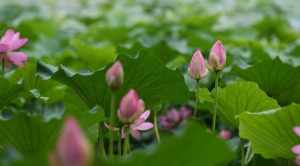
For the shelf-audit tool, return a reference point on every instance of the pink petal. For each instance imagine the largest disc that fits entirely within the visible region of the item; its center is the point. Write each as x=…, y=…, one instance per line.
x=135, y=134
x=296, y=149
x=3, y=47
x=297, y=130
x=18, y=43
x=7, y=37
x=17, y=58
x=145, y=115
x=144, y=126
x=141, y=119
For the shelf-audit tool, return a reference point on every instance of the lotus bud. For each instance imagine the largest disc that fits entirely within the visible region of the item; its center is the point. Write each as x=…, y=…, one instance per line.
x=131, y=107
x=217, y=57
x=197, y=68
x=115, y=76
x=72, y=147
x=225, y=134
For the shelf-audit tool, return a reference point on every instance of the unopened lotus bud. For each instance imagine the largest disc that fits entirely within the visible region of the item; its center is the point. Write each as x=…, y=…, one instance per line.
x=72, y=148
x=225, y=134
x=131, y=107
x=217, y=56
x=197, y=67
x=115, y=76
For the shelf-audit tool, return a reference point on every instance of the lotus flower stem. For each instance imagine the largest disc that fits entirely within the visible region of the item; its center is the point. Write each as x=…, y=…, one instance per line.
x=214, y=118
x=112, y=120
x=242, y=155
x=100, y=143
x=120, y=145
x=156, y=127
x=3, y=66
x=126, y=145
x=196, y=98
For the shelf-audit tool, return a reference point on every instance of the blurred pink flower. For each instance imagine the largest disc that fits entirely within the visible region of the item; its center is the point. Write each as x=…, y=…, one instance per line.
x=173, y=117
x=217, y=56
x=296, y=149
x=9, y=43
x=225, y=134
x=115, y=76
x=197, y=67
x=72, y=147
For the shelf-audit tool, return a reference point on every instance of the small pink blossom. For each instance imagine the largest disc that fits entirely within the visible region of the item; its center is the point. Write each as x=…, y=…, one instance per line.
x=173, y=117
x=131, y=107
x=72, y=147
x=217, y=56
x=225, y=134
x=296, y=149
x=115, y=76
x=9, y=44
x=197, y=67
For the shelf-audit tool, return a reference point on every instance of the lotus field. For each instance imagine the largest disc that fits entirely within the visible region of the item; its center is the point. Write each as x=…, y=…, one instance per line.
x=149, y=83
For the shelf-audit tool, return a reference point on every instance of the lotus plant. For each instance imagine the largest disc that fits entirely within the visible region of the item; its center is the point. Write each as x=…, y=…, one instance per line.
x=72, y=148
x=10, y=42
x=133, y=116
x=216, y=62
x=197, y=71
x=296, y=148
x=114, y=80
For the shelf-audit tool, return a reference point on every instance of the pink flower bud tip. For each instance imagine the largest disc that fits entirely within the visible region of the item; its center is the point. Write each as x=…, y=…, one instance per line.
x=217, y=56
x=10, y=42
x=72, y=148
x=197, y=67
x=131, y=107
x=225, y=134
x=115, y=76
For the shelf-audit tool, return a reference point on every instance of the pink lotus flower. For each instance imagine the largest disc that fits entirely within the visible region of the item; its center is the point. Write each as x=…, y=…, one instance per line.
x=115, y=76
x=132, y=113
x=217, y=56
x=72, y=147
x=9, y=43
x=197, y=68
x=131, y=107
x=173, y=118
x=139, y=125
x=296, y=149
x=225, y=134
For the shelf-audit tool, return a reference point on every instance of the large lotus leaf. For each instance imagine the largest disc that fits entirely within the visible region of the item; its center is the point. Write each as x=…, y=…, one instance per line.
x=279, y=80
x=242, y=96
x=147, y=74
x=271, y=132
x=194, y=147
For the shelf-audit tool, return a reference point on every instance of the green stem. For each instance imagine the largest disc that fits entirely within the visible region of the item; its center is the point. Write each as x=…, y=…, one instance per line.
x=156, y=127
x=100, y=143
x=242, y=155
x=112, y=120
x=126, y=144
x=3, y=66
x=214, y=118
x=196, y=99
x=120, y=145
